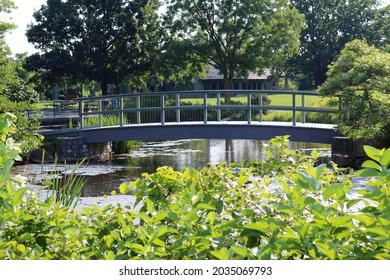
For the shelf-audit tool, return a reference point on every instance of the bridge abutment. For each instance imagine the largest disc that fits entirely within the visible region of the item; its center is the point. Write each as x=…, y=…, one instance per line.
x=350, y=153
x=73, y=149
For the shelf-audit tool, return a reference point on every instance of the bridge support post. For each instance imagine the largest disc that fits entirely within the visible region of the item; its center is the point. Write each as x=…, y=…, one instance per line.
x=205, y=108
x=138, y=109
x=81, y=114
x=162, y=109
x=294, y=109
x=249, y=109
x=100, y=108
x=121, y=111
x=178, y=108
x=219, y=106
x=261, y=106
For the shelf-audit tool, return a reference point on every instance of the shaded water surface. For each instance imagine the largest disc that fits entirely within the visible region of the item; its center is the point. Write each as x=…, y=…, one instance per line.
x=103, y=178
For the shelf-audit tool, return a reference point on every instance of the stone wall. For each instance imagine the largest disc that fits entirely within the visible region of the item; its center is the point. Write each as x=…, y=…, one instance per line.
x=73, y=149
x=100, y=151
x=350, y=153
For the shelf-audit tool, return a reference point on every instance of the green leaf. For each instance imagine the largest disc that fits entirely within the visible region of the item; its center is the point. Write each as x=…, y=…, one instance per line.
x=173, y=216
x=242, y=251
x=149, y=205
x=328, y=249
x=124, y=188
x=222, y=254
x=265, y=253
x=385, y=159
x=17, y=197
x=242, y=180
x=138, y=248
x=110, y=255
x=367, y=173
x=21, y=248
x=338, y=190
x=25, y=237
x=258, y=226
x=205, y=206
x=371, y=164
x=379, y=231
x=191, y=216
x=319, y=170
x=314, y=154
x=372, y=153
x=161, y=215
x=219, y=206
x=306, y=181
x=341, y=221
x=302, y=230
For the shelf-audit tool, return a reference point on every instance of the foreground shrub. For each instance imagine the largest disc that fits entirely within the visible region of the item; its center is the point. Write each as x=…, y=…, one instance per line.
x=284, y=208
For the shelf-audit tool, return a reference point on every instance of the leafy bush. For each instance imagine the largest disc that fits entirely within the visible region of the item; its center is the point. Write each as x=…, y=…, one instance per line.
x=26, y=127
x=17, y=90
x=284, y=208
x=361, y=77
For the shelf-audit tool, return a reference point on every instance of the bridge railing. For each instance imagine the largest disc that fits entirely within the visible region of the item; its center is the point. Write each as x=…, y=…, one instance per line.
x=203, y=106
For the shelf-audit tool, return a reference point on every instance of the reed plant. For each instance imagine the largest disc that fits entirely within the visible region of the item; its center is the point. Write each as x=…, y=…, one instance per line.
x=65, y=187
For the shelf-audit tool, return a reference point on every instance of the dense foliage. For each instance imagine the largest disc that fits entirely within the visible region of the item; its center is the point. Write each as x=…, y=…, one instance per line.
x=235, y=37
x=329, y=25
x=101, y=40
x=361, y=77
x=284, y=208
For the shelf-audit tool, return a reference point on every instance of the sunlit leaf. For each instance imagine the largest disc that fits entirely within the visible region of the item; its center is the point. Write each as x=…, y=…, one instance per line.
x=205, y=206
x=371, y=164
x=124, y=188
x=242, y=251
x=385, y=159
x=336, y=190
x=367, y=173
x=306, y=181
x=328, y=249
x=222, y=254
x=372, y=153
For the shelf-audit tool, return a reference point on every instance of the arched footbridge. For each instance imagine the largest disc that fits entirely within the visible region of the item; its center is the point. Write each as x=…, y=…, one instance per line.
x=233, y=114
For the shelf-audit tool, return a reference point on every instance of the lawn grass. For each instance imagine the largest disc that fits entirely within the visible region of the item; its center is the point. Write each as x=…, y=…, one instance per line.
x=276, y=100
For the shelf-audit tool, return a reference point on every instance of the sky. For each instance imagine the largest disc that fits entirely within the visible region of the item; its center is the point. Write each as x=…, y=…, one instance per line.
x=22, y=16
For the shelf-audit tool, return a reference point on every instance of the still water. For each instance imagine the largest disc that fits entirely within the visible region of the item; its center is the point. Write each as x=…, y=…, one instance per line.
x=103, y=178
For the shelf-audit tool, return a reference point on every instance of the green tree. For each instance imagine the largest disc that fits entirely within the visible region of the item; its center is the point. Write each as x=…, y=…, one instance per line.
x=103, y=40
x=361, y=76
x=330, y=24
x=16, y=95
x=6, y=7
x=234, y=36
x=6, y=72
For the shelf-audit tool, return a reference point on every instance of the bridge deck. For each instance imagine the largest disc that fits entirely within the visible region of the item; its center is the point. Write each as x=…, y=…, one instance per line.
x=308, y=132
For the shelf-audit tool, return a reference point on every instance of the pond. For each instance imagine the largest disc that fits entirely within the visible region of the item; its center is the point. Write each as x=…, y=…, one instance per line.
x=103, y=178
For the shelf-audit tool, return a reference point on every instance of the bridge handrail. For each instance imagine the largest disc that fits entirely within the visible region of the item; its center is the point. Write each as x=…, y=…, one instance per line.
x=203, y=95
x=200, y=92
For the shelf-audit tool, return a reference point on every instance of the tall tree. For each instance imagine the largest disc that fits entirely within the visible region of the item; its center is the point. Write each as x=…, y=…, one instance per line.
x=235, y=36
x=330, y=24
x=103, y=40
x=6, y=72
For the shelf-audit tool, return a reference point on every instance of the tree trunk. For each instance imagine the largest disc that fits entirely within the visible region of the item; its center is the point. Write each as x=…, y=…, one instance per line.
x=104, y=87
x=227, y=86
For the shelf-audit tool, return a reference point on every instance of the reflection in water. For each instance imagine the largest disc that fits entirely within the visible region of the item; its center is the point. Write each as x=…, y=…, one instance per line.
x=103, y=178
x=178, y=155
